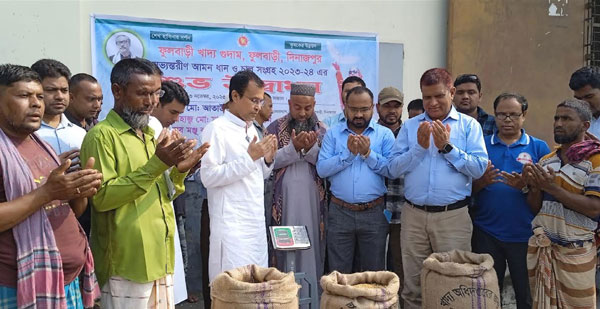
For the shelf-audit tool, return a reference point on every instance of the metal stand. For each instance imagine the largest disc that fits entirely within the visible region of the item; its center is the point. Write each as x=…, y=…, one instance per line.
x=313, y=299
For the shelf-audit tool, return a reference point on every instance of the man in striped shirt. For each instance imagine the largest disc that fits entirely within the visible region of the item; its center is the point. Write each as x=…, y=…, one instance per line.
x=564, y=192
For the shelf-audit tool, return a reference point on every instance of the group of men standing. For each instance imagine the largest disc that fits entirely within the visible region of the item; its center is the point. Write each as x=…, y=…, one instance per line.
x=450, y=177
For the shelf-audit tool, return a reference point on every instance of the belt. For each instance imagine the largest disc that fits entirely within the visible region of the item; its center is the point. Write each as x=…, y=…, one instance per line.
x=358, y=206
x=453, y=206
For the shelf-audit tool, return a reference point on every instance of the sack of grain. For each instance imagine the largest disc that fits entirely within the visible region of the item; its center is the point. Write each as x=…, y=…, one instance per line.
x=459, y=279
x=252, y=287
x=371, y=289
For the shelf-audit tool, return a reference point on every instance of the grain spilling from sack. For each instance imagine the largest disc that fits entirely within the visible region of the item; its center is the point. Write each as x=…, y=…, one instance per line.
x=251, y=287
x=459, y=279
x=360, y=290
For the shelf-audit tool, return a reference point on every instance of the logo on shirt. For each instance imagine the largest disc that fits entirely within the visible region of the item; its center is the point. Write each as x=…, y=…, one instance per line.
x=524, y=158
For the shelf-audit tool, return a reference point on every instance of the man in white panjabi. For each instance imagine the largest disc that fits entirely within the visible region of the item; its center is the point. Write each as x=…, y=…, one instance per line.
x=233, y=170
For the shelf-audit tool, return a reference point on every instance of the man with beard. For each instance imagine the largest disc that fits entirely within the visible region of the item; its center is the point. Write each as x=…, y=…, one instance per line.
x=348, y=83
x=467, y=99
x=64, y=136
x=389, y=107
x=85, y=100
x=564, y=192
x=354, y=156
x=502, y=222
x=233, y=171
x=299, y=197
x=38, y=207
x=133, y=225
x=585, y=84
x=439, y=152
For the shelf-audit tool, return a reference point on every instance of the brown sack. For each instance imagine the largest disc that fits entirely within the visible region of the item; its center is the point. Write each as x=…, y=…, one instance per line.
x=371, y=289
x=459, y=279
x=252, y=286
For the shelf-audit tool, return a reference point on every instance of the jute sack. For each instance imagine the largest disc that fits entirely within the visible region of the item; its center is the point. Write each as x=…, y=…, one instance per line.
x=252, y=287
x=459, y=279
x=371, y=289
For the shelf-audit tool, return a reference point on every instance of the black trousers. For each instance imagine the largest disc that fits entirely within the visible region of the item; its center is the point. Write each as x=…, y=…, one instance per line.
x=512, y=253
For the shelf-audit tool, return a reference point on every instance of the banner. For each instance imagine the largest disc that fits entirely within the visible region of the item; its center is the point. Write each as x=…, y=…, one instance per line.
x=203, y=57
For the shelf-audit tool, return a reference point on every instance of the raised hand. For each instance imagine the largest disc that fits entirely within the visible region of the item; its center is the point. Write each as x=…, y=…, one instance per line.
x=193, y=159
x=513, y=179
x=424, y=134
x=353, y=144
x=257, y=150
x=172, y=148
x=271, y=143
x=299, y=141
x=311, y=139
x=72, y=155
x=490, y=176
x=364, y=144
x=78, y=184
x=441, y=134
x=544, y=179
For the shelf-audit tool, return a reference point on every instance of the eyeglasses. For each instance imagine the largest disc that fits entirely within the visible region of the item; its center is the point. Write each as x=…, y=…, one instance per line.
x=157, y=94
x=504, y=116
x=257, y=101
x=355, y=110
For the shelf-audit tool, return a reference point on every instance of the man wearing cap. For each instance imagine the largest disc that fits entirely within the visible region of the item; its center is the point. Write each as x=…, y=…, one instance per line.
x=467, y=100
x=298, y=190
x=354, y=155
x=389, y=107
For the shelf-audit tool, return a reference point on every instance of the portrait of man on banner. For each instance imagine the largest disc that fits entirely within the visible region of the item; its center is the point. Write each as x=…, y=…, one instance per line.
x=123, y=45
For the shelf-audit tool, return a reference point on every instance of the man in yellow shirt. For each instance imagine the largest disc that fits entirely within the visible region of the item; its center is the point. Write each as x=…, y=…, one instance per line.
x=133, y=224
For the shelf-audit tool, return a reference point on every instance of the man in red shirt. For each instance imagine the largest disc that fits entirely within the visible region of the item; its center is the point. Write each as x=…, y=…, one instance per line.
x=39, y=203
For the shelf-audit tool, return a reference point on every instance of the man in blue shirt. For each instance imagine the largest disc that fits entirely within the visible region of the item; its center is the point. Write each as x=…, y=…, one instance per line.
x=439, y=152
x=354, y=156
x=502, y=220
x=64, y=136
x=348, y=83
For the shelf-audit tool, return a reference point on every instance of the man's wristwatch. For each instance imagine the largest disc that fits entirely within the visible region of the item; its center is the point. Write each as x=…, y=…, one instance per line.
x=446, y=149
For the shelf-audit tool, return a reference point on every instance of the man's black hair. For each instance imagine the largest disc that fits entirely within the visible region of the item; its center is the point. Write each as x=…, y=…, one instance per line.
x=416, y=104
x=173, y=91
x=81, y=77
x=509, y=95
x=239, y=82
x=122, y=71
x=468, y=78
x=353, y=79
x=12, y=73
x=51, y=68
x=585, y=76
x=359, y=90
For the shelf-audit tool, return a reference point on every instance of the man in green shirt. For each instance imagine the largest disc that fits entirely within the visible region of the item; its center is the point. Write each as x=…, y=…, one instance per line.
x=133, y=224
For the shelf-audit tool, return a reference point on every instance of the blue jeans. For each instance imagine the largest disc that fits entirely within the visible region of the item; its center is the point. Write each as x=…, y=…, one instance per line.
x=356, y=234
